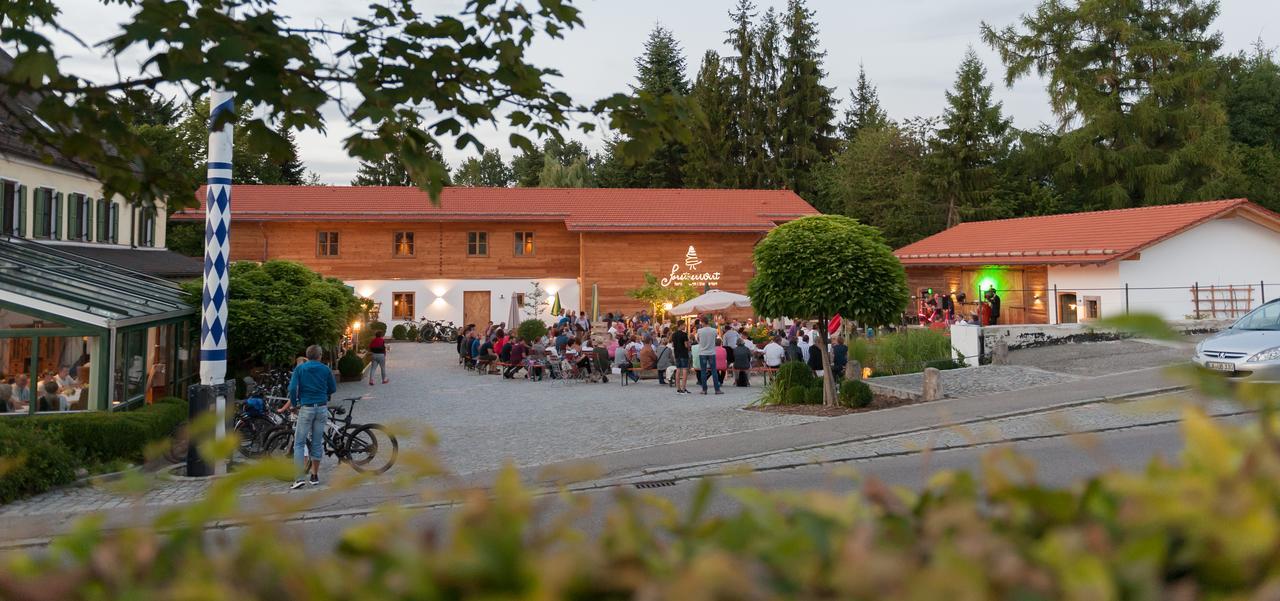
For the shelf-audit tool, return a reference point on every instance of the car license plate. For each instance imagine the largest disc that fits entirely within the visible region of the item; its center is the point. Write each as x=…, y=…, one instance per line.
x=1220, y=366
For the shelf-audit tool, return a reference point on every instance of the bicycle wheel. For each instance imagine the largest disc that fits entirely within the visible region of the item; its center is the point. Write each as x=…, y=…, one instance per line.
x=371, y=448
x=279, y=443
x=253, y=431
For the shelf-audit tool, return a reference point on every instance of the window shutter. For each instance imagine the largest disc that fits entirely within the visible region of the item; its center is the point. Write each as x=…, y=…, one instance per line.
x=151, y=229
x=57, y=216
x=73, y=218
x=40, y=223
x=22, y=211
x=115, y=222
x=100, y=219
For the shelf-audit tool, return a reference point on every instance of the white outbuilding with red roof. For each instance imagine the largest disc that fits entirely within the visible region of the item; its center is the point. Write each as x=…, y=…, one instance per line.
x=1215, y=259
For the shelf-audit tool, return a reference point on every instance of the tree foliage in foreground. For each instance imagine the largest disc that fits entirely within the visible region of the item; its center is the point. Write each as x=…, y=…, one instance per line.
x=406, y=81
x=821, y=266
x=1206, y=526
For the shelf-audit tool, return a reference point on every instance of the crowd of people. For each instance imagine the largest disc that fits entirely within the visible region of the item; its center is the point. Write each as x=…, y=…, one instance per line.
x=714, y=347
x=941, y=310
x=59, y=390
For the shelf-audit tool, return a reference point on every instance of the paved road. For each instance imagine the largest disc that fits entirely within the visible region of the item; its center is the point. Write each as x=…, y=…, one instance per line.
x=1060, y=461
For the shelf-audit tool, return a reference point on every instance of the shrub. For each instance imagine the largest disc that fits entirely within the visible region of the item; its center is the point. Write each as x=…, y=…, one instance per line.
x=910, y=351
x=411, y=332
x=792, y=375
x=855, y=394
x=350, y=366
x=795, y=396
x=813, y=394
x=531, y=330
x=100, y=437
x=31, y=463
x=286, y=306
x=398, y=332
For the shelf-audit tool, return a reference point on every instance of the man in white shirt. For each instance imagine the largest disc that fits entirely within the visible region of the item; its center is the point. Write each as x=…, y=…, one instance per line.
x=774, y=352
x=804, y=347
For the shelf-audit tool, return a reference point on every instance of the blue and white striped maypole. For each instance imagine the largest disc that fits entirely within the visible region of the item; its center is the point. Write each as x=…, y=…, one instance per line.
x=217, y=251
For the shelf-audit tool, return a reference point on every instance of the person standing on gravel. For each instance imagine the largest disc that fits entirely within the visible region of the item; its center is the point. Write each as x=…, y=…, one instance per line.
x=707, y=355
x=309, y=389
x=680, y=350
x=378, y=356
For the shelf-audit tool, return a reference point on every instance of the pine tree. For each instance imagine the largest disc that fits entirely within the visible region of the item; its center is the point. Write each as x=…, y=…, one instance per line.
x=292, y=171
x=763, y=138
x=710, y=159
x=806, y=109
x=390, y=171
x=742, y=98
x=1139, y=79
x=864, y=108
x=489, y=170
x=972, y=141
x=660, y=71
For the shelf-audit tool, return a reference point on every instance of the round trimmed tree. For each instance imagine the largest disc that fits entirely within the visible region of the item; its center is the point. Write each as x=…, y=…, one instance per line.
x=819, y=266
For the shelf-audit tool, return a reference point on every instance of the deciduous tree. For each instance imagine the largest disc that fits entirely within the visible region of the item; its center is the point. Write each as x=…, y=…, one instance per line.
x=404, y=80
x=489, y=170
x=819, y=266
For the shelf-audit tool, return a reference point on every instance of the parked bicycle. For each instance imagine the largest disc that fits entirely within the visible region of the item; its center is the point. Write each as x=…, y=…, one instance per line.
x=430, y=330
x=256, y=416
x=365, y=447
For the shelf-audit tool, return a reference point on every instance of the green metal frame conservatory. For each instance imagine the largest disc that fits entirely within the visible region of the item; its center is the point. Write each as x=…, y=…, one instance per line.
x=89, y=335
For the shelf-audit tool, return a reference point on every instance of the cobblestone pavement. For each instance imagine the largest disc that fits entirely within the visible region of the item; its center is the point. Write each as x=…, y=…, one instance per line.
x=1083, y=418
x=1099, y=358
x=482, y=422
x=976, y=381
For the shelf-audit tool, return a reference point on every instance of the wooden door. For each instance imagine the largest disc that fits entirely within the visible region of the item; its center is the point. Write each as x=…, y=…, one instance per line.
x=475, y=307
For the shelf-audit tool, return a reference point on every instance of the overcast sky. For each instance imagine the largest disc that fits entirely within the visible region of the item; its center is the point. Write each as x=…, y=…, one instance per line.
x=910, y=49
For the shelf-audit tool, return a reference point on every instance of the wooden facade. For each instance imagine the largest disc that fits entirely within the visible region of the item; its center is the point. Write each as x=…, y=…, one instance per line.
x=612, y=262
x=368, y=250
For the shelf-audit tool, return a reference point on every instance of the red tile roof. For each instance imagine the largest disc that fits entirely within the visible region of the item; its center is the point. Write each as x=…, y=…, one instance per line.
x=581, y=209
x=1073, y=239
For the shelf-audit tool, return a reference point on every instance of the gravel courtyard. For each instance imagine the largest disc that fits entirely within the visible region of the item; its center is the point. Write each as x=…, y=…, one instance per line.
x=482, y=421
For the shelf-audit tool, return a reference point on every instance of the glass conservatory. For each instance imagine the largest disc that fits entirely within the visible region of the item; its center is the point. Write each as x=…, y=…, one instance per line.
x=81, y=335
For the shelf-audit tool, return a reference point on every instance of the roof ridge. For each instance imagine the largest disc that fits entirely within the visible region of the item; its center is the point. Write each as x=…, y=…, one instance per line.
x=1223, y=201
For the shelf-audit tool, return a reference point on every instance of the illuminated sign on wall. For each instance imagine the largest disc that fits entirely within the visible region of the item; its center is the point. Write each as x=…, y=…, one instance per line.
x=691, y=275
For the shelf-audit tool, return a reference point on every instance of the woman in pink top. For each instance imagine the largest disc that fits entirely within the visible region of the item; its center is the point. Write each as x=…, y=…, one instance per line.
x=612, y=347
x=722, y=358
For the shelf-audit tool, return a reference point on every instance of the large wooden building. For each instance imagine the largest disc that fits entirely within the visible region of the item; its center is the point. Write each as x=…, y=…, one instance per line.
x=464, y=258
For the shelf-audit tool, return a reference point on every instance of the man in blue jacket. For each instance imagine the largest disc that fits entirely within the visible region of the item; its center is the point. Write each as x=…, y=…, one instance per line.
x=309, y=389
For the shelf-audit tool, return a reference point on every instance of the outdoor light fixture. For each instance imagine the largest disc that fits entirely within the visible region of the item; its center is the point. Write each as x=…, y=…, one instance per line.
x=355, y=325
x=667, y=306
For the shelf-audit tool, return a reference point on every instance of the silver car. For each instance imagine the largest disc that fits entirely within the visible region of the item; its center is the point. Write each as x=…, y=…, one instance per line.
x=1249, y=349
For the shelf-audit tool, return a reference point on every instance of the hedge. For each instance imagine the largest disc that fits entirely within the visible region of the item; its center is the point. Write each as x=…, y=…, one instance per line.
x=31, y=463
x=101, y=436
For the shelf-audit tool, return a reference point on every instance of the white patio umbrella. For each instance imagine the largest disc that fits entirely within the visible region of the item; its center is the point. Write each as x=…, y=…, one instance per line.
x=513, y=317
x=712, y=300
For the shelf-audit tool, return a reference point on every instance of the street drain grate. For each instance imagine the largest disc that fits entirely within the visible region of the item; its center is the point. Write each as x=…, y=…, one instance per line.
x=655, y=484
